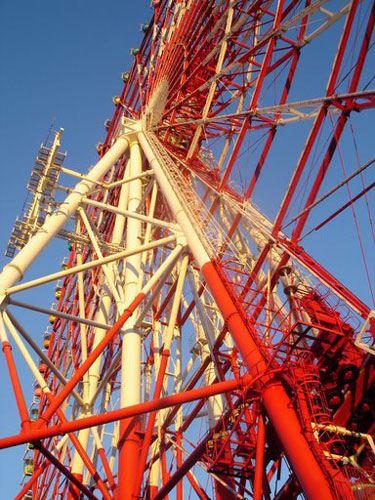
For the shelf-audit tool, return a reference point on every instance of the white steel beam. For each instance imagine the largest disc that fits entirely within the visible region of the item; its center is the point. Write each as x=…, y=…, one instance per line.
x=59, y=314
x=132, y=214
x=15, y=270
x=91, y=230
x=12, y=325
x=90, y=265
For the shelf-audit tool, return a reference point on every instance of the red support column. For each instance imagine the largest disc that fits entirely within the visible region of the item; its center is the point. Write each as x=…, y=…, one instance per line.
x=259, y=460
x=107, y=471
x=180, y=484
x=150, y=425
x=312, y=474
x=129, y=446
x=164, y=472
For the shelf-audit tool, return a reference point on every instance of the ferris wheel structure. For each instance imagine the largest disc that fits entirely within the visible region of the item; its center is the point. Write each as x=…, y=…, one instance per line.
x=205, y=340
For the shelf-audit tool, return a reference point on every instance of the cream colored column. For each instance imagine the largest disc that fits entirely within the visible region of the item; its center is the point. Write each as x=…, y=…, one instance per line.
x=130, y=391
x=102, y=316
x=131, y=346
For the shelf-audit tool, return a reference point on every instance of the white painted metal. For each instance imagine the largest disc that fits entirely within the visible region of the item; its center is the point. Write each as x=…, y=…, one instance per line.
x=198, y=250
x=108, y=289
x=11, y=324
x=127, y=179
x=146, y=256
x=133, y=214
x=207, y=341
x=25, y=353
x=131, y=344
x=89, y=265
x=94, y=241
x=82, y=328
x=15, y=270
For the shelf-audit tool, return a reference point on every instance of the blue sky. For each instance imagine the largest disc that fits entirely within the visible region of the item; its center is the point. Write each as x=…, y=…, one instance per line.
x=61, y=61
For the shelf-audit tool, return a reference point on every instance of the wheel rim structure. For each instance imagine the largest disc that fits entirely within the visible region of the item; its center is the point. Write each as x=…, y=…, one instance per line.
x=196, y=347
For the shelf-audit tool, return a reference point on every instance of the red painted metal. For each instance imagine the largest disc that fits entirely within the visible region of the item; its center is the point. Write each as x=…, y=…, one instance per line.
x=58, y=400
x=72, y=478
x=258, y=411
x=17, y=389
x=125, y=413
x=259, y=461
x=275, y=399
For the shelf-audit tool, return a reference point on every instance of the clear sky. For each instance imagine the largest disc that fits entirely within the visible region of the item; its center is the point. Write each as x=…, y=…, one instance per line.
x=61, y=62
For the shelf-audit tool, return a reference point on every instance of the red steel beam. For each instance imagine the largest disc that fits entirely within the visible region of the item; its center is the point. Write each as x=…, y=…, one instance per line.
x=272, y=132
x=342, y=119
x=86, y=460
x=321, y=273
x=17, y=389
x=316, y=479
x=31, y=481
x=259, y=460
x=254, y=99
x=183, y=470
x=123, y=413
x=66, y=472
x=112, y=332
x=198, y=490
x=151, y=422
x=318, y=121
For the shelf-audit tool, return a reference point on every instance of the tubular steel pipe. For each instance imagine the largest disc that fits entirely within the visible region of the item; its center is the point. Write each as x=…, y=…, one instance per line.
x=102, y=313
x=30, y=482
x=13, y=326
x=58, y=314
x=180, y=484
x=89, y=265
x=127, y=412
x=66, y=472
x=14, y=271
x=82, y=453
x=316, y=126
x=165, y=354
x=185, y=467
x=131, y=214
x=91, y=359
x=313, y=475
x=61, y=416
x=130, y=389
x=194, y=484
x=259, y=460
x=276, y=401
x=344, y=115
x=107, y=470
x=17, y=389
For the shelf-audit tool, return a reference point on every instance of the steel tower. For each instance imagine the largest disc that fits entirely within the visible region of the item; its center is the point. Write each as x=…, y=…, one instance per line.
x=197, y=347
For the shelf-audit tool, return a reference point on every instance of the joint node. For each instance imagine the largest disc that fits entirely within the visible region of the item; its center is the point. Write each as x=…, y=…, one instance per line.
x=181, y=240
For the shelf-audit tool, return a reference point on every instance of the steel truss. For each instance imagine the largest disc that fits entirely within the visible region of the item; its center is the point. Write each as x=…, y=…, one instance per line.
x=196, y=346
